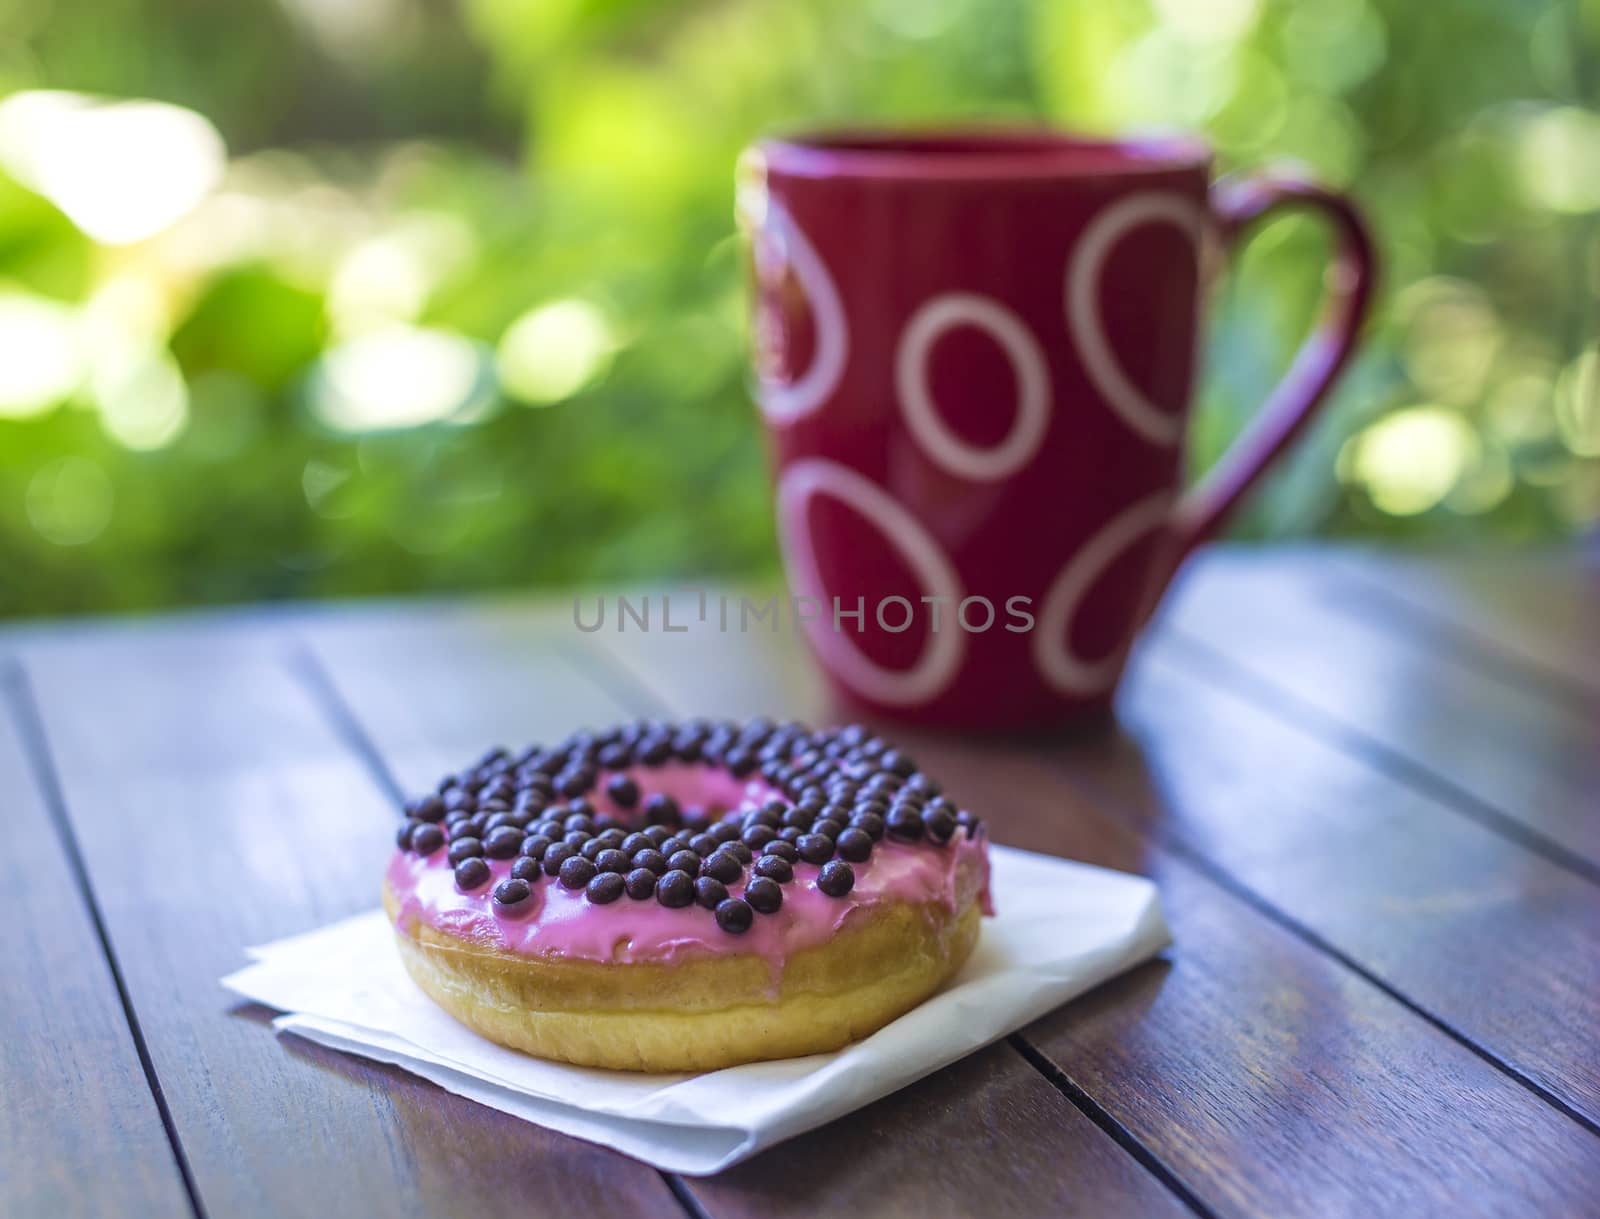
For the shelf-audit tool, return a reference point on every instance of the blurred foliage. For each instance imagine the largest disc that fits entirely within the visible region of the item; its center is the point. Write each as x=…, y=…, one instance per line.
x=461, y=304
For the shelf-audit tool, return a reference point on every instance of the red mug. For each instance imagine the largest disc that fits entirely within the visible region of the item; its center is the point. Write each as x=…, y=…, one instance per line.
x=976, y=353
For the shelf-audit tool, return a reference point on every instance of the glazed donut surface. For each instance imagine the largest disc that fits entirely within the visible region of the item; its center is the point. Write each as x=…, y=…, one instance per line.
x=771, y=954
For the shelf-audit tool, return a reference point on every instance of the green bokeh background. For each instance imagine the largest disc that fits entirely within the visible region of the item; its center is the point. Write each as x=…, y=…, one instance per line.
x=510, y=154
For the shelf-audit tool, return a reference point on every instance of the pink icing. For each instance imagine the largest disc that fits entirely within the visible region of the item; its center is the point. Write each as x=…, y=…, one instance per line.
x=563, y=922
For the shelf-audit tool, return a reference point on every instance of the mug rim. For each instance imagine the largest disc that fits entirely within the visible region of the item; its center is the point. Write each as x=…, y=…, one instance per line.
x=969, y=152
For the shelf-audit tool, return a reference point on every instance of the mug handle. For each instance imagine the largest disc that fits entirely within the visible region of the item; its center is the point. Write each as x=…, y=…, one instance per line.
x=1237, y=203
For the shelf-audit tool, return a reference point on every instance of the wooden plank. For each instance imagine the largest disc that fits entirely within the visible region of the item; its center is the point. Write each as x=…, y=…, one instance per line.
x=217, y=809
x=80, y=1132
x=1268, y=1076
x=1538, y=609
x=507, y=677
x=1394, y=691
x=983, y=1136
x=1492, y=939
x=472, y=678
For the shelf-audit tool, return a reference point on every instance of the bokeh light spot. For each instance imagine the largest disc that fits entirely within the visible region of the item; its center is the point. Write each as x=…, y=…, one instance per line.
x=120, y=170
x=69, y=501
x=551, y=352
x=39, y=363
x=1518, y=411
x=321, y=481
x=1408, y=461
x=391, y=276
x=1209, y=20
x=1578, y=405
x=1484, y=485
x=140, y=392
x=916, y=19
x=1162, y=79
x=1333, y=45
x=379, y=281
x=1452, y=338
x=1255, y=113
x=350, y=28
x=1559, y=160
x=1324, y=133
x=750, y=191
x=398, y=377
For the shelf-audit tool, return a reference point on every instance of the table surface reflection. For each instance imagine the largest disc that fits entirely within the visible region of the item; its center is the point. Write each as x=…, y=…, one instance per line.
x=1367, y=783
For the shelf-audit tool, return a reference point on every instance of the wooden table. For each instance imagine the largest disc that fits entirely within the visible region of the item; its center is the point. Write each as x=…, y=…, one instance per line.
x=1369, y=788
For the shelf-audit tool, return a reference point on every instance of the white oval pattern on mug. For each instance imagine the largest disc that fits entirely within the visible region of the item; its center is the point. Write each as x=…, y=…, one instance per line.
x=1156, y=425
x=946, y=312
x=1052, y=648
x=785, y=403
x=942, y=651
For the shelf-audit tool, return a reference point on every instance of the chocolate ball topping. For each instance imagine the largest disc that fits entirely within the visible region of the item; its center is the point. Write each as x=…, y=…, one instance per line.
x=723, y=866
x=662, y=809
x=427, y=808
x=471, y=873
x=774, y=867
x=576, y=872
x=703, y=844
x=764, y=894
x=426, y=839
x=815, y=848
x=502, y=843
x=684, y=860
x=513, y=892
x=583, y=811
x=710, y=892
x=904, y=824
x=735, y=916
x=836, y=878
x=675, y=889
x=557, y=855
x=757, y=836
x=939, y=824
x=612, y=860
x=854, y=845
x=651, y=859
x=869, y=822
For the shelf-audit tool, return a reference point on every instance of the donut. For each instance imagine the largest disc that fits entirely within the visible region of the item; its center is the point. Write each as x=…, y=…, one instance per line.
x=684, y=897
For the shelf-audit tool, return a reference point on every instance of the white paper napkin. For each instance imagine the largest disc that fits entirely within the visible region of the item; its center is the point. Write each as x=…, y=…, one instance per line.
x=1060, y=929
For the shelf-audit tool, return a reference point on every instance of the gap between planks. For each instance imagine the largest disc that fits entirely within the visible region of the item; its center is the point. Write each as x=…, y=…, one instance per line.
x=613, y=674
x=1218, y=875
x=304, y=664
x=18, y=693
x=1112, y=1128
x=1472, y=646
x=613, y=671
x=1210, y=664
